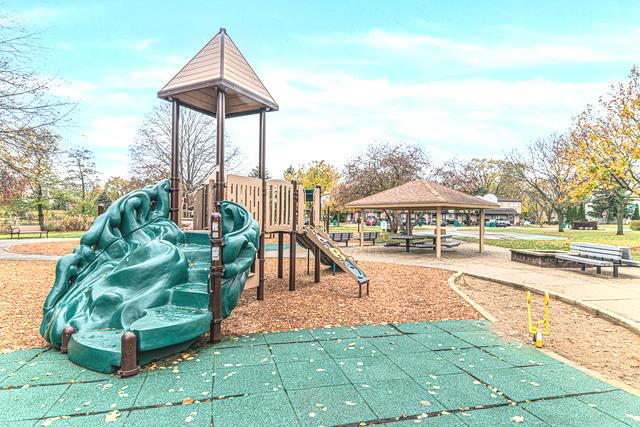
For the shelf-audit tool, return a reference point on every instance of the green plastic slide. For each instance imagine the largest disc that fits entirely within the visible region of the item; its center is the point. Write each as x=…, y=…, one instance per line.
x=135, y=270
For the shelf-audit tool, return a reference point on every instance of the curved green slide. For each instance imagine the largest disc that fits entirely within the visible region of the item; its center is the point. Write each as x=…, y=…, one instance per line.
x=135, y=270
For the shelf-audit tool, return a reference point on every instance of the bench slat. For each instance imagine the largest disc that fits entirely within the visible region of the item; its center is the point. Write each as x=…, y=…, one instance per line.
x=588, y=261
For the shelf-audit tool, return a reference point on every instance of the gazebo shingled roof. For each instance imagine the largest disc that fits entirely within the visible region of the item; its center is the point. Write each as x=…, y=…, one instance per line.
x=219, y=64
x=421, y=193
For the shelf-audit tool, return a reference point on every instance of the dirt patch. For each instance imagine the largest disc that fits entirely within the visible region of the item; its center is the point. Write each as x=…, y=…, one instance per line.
x=398, y=293
x=575, y=334
x=46, y=248
x=24, y=285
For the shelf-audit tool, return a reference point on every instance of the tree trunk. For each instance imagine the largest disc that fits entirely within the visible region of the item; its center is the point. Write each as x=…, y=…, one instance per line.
x=40, y=207
x=620, y=216
x=560, y=215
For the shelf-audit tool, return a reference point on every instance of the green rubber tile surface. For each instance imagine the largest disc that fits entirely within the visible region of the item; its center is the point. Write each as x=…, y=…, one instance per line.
x=519, y=385
x=110, y=419
x=460, y=391
x=38, y=372
x=288, y=337
x=395, y=398
x=440, y=341
x=197, y=414
x=246, y=380
x=619, y=404
x=396, y=344
x=241, y=340
x=339, y=332
x=500, y=416
x=20, y=355
x=367, y=369
x=375, y=330
x=570, y=412
x=463, y=325
x=423, y=364
x=164, y=387
x=319, y=373
x=520, y=355
x=480, y=338
x=297, y=352
x=568, y=379
x=474, y=360
x=349, y=348
x=242, y=356
x=330, y=406
x=449, y=420
x=418, y=328
x=272, y=409
x=28, y=403
x=200, y=359
x=97, y=396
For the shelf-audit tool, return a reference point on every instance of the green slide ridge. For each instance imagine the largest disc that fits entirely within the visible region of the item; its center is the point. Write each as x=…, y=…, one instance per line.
x=135, y=270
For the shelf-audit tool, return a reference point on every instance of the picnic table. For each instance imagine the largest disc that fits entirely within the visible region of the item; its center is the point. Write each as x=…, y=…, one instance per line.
x=408, y=238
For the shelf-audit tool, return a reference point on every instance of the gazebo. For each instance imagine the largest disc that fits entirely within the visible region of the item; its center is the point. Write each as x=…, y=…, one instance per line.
x=424, y=195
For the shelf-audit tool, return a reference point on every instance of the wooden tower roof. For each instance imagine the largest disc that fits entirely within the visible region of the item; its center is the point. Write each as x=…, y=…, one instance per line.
x=219, y=64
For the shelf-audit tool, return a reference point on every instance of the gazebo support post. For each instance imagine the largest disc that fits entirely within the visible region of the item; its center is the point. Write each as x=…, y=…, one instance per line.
x=174, y=187
x=409, y=230
x=362, y=228
x=481, y=237
x=263, y=202
x=438, y=232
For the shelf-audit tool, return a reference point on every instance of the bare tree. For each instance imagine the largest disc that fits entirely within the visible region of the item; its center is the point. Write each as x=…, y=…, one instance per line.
x=81, y=174
x=26, y=104
x=381, y=167
x=478, y=176
x=541, y=167
x=151, y=152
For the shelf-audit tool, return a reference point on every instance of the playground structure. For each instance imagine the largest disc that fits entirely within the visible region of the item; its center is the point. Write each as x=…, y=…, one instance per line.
x=139, y=287
x=540, y=327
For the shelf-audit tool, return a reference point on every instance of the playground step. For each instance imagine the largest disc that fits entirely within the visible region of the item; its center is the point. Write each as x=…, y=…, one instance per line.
x=197, y=238
x=161, y=325
x=97, y=350
x=199, y=272
x=196, y=253
x=191, y=295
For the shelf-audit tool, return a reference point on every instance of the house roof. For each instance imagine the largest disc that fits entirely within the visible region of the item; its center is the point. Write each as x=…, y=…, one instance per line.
x=421, y=193
x=508, y=199
x=219, y=65
x=505, y=211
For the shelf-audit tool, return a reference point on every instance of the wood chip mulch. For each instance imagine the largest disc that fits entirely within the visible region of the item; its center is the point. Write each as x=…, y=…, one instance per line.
x=397, y=293
x=576, y=334
x=46, y=248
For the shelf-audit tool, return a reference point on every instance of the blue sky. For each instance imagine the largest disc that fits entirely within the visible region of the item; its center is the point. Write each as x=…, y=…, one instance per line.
x=460, y=78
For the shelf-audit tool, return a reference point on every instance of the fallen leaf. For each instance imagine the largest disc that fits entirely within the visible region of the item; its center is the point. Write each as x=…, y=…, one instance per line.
x=187, y=401
x=112, y=416
x=517, y=419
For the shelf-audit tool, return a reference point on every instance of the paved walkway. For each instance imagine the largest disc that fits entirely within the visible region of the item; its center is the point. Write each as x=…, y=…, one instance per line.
x=620, y=296
x=448, y=373
x=5, y=254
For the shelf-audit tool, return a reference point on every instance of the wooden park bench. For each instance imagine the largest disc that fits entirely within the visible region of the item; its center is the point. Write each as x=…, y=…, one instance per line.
x=370, y=236
x=339, y=237
x=18, y=230
x=598, y=256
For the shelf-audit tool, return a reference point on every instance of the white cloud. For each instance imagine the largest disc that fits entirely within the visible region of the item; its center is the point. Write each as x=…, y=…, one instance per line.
x=144, y=44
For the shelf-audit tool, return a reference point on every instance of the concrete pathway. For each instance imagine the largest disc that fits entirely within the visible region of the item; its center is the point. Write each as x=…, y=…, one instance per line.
x=620, y=296
x=447, y=373
x=7, y=255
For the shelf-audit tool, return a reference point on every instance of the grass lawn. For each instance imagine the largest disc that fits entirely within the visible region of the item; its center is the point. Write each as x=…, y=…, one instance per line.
x=74, y=234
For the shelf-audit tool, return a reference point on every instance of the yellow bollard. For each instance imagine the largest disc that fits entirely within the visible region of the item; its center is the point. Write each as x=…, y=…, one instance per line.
x=536, y=328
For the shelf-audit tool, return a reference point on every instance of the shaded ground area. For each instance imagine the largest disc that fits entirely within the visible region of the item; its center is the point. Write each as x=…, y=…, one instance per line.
x=452, y=373
x=45, y=248
x=576, y=334
x=398, y=293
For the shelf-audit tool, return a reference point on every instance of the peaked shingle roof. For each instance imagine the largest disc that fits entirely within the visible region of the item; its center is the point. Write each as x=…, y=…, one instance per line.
x=219, y=64
x=421, y=193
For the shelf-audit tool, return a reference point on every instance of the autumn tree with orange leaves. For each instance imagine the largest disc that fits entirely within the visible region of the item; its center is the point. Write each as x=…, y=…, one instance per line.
x=605, y=146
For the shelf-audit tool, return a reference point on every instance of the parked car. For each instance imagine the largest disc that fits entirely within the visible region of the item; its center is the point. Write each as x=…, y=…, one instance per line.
x=502, y=223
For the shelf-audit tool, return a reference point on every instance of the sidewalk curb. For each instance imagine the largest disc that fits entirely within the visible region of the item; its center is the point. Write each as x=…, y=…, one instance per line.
x=452, y=284
x=605, y=314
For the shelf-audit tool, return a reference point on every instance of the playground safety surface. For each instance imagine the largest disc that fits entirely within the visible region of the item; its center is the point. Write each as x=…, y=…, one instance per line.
x=452, y=372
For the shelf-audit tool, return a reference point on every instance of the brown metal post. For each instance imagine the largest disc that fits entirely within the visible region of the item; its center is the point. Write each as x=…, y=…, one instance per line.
x=316, y=266
x=101, y=208
x=293, y=239
x=481, y=232
x=128, y=355
x=280, y=254
x=174, y=186
x=438, y=232
x=263, y=214
x=215, y=277
x=66, y=336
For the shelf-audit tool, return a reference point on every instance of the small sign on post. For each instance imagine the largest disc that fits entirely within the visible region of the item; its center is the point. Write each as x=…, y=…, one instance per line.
x=215, y=277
